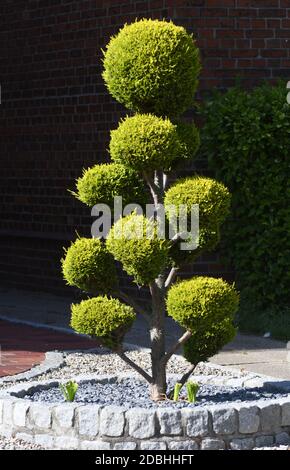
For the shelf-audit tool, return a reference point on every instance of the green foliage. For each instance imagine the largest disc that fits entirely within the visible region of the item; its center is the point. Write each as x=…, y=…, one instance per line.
x=275, y=320
x=69, y=390
x=208, y=339
x=247, y=137
x=104, y=318
x=213, y=200
x=201, y=302
x=101, y=183
x=192, y=389
x=134, y=242
x=177, y=389
x=145, y=142
x=152, y=66
x=89, y=266
x=189, y=138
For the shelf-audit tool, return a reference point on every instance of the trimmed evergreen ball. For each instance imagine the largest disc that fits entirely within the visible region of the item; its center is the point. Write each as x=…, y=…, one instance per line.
x=104, y=318
x=189, y=138
x=101, y=183
x=145, y=142
x=89, y=266
x=134, y=242
x=152, y=66
x=201, y=301
x=207, y=340
x=212, y=197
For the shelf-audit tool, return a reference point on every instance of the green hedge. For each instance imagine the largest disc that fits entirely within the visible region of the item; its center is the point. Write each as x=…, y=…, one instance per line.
x=247, y=139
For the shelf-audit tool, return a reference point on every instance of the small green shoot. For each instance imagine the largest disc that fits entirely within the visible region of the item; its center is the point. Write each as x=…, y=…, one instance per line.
x=177, y=389
x=69, y=390
x=192, y=389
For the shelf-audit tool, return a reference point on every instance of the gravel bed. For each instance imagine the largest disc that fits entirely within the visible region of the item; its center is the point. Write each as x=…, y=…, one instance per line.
x=131, y=392
x=16, y=444
x=102, y=361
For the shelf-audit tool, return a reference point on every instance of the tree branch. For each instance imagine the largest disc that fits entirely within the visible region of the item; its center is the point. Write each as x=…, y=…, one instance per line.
x=134, y=366
x=153, y=188
x=176, y=346
x=130, y=301
x=171, y=277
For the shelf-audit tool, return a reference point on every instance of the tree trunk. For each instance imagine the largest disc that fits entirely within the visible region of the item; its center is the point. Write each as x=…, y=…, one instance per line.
x=157, y=337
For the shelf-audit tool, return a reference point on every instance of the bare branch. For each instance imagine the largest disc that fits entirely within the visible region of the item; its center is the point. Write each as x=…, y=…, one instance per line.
x=130, y=301
x=153, y=188
x=165, y=181
x=176, y=346
x=134, y=366
x=171, y=277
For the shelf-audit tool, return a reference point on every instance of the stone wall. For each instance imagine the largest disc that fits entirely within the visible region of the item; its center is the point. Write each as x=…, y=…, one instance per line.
x=79, y=426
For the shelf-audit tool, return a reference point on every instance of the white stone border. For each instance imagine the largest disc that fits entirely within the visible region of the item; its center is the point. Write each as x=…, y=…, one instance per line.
x=78, y=426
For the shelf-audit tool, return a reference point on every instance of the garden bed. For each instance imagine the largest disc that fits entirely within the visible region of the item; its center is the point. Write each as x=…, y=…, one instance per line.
x=255, y=422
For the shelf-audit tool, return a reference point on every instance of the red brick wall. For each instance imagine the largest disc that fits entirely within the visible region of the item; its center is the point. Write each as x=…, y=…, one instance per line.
x=56, y=114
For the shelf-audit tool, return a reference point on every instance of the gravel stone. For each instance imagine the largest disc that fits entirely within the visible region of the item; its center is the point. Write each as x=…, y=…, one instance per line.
x=224, y=421
x=17, y=444
x=141, y=423
x=170, y=422
x=249, y=420
x=112, y=421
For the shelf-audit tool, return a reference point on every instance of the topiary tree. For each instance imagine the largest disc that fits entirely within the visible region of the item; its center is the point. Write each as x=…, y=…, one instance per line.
x=152, y=67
